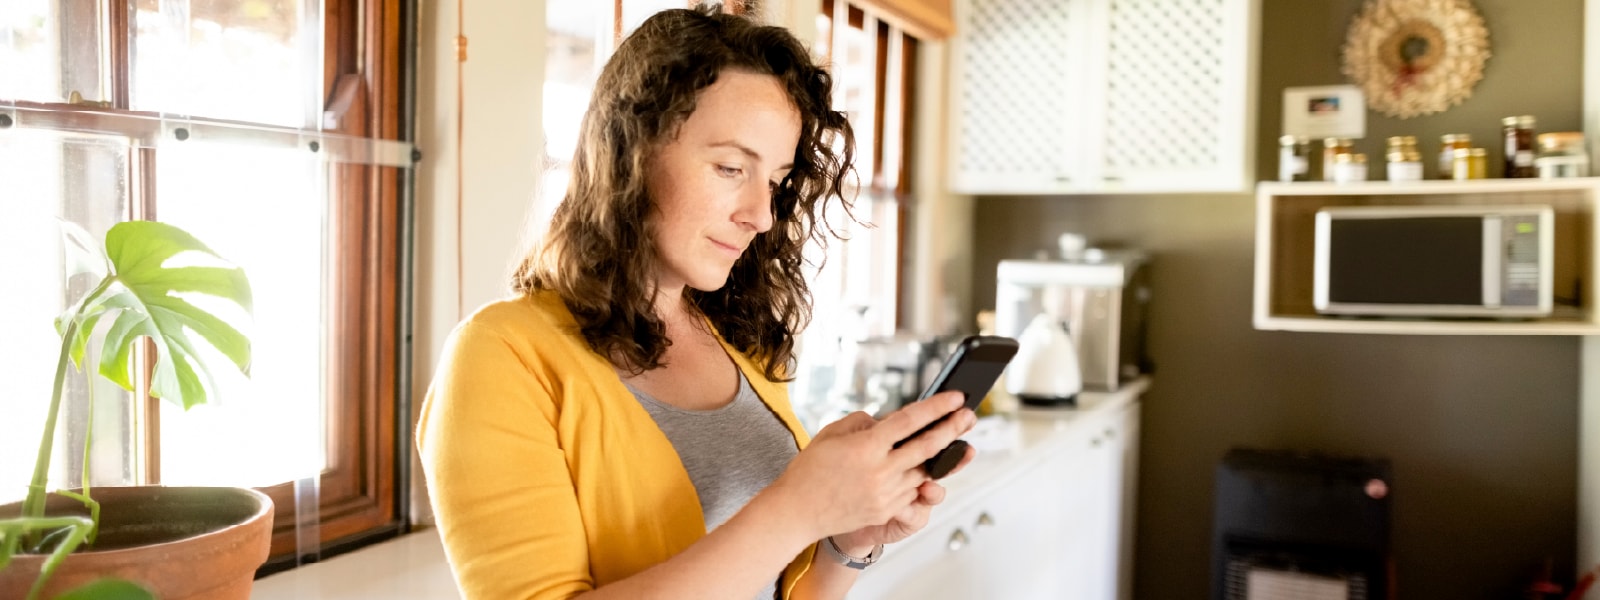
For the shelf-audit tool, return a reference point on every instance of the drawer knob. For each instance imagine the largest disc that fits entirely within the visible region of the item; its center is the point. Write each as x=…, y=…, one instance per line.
x=984, y=520
x=958, y=540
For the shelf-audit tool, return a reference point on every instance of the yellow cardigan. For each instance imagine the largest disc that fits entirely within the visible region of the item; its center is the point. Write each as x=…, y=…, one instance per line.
x=547, y=477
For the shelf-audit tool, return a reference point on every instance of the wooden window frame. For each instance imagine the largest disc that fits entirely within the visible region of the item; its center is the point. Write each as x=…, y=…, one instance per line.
x=359, y=499
x=905, y=152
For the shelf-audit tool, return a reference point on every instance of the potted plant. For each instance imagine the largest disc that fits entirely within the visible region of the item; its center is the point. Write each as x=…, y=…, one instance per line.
x=151, y=541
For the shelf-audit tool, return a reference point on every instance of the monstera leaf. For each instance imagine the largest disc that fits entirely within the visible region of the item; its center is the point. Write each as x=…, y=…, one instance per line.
x=143, y=295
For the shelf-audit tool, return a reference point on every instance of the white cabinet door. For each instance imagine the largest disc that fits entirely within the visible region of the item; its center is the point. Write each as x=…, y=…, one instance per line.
x=1015, y=98
x=1020, y=535
x=1062, y=96
x=1178, y=92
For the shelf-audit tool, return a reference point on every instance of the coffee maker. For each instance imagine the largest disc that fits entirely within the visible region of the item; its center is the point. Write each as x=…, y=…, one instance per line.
x=1100, y=295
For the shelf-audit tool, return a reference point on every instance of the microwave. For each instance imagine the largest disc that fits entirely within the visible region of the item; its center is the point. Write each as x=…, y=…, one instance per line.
x=1434, y=261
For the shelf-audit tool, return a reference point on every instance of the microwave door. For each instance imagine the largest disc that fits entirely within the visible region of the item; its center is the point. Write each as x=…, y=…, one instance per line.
x=1391, y=265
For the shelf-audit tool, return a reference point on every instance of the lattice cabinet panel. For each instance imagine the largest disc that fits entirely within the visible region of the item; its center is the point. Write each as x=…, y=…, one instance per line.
x=1102, y=95
x=1012, y=126
x=1175, y=104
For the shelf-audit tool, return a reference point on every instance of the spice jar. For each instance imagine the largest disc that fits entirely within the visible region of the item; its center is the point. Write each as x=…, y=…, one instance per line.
x=1518, y=133
x=1294, y=158
x=1448, y=144
x=1350, y=167
x=1561, y=154
x=1469, y=163
x=1332, y=148
x=1405, y=163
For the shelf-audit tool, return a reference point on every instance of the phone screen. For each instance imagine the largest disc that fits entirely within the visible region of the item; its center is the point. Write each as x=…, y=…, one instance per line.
x=972, y=370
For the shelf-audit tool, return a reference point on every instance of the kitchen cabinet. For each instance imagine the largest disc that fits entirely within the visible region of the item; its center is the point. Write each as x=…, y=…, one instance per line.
x=1285, y=251
x=1049, y=518
x=1102, y=96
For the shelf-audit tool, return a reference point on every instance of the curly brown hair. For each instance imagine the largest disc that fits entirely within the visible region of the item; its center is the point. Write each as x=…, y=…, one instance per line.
x=598, y=254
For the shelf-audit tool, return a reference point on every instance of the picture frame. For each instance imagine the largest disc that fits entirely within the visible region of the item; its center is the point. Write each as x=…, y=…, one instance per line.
x=1325, y=111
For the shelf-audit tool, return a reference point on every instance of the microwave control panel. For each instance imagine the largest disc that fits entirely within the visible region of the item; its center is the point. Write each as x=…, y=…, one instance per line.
x=1520, y=268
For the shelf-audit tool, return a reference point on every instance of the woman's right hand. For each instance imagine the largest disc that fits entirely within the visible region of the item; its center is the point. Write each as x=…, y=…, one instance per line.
x=852, y=476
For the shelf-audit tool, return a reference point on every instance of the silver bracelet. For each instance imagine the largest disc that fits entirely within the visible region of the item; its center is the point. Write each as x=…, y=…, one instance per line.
x=850, y=561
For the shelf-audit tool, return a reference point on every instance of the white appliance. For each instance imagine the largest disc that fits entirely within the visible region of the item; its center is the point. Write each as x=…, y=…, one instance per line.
x=1101, y=298
x=1434, y=261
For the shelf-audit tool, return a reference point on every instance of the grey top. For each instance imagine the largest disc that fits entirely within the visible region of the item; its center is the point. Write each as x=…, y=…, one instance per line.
x=731, y=453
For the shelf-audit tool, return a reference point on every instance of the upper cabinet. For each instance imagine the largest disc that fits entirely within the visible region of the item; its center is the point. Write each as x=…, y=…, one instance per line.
x=1102, y=96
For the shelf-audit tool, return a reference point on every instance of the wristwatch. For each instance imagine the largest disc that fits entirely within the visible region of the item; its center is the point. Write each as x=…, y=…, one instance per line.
x=851, y=561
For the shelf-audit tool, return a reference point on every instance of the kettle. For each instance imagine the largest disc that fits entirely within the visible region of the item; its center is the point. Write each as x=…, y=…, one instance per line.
x=1045, y=369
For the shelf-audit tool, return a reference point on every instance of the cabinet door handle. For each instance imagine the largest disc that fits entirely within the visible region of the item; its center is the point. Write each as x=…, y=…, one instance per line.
x=1094, y=443
x=1111, y=434
x=984, y=520
x=958, y=540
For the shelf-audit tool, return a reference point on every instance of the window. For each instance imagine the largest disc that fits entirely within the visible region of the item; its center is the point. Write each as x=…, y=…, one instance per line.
x=856, y=295
x=580, y=36
x=269, y=130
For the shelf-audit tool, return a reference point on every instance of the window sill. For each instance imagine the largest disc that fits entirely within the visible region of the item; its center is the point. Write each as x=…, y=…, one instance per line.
x=410, y=566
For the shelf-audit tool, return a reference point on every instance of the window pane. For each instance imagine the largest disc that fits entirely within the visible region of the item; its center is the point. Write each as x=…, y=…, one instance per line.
x=84, y=180
x=50, y=48
x=263, y=209
x=570, y=68
x=255, y=61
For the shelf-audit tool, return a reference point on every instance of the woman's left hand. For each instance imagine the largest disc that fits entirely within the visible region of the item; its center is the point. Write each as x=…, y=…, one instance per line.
x=910, y=519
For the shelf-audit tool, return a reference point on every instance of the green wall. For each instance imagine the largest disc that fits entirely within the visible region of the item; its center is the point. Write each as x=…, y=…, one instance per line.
x=1481, y=430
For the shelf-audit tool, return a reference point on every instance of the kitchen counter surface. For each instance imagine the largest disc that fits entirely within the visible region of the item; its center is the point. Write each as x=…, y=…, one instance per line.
x=413, y=565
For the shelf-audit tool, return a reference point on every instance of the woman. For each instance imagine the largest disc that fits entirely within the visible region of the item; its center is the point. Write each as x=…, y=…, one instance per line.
x=621, y=428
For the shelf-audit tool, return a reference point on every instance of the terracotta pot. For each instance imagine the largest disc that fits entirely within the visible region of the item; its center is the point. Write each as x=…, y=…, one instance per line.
x=179, y=542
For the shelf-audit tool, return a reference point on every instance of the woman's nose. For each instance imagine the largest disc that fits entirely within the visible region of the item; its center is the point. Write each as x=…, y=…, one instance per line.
x=755, y=207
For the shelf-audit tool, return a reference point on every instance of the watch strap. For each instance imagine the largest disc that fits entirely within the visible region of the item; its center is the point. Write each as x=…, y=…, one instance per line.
x=851, y=561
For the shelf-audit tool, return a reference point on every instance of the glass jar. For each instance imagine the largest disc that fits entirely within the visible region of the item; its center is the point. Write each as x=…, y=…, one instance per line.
x=1448, y=144
x=1469, y=163
x=1518, y=133
x=1561, y=154
x=1294, y=158
x=1350, y=167
x=1405, y=163
x=1332, y=148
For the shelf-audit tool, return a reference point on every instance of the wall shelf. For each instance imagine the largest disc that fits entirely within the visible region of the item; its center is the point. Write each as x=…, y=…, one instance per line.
x=1285, y=216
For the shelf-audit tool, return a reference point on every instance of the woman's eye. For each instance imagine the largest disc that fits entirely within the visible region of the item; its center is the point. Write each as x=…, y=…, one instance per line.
x=772, y=186
x=727, y=171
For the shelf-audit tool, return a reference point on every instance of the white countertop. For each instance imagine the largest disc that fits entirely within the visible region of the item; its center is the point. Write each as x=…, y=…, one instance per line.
x=410, y=566
x=413, y=565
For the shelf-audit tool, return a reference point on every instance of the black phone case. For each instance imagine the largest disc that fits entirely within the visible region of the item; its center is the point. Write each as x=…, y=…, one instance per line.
x=972, y=369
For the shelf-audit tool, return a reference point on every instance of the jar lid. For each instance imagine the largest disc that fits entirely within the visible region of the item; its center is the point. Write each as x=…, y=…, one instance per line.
x=1523, y=121
x=1351, y=157
x=1403, y=140
x=1450, y=138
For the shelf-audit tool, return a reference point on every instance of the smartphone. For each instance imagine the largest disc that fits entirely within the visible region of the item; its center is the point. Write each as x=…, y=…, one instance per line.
x=972, y=370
